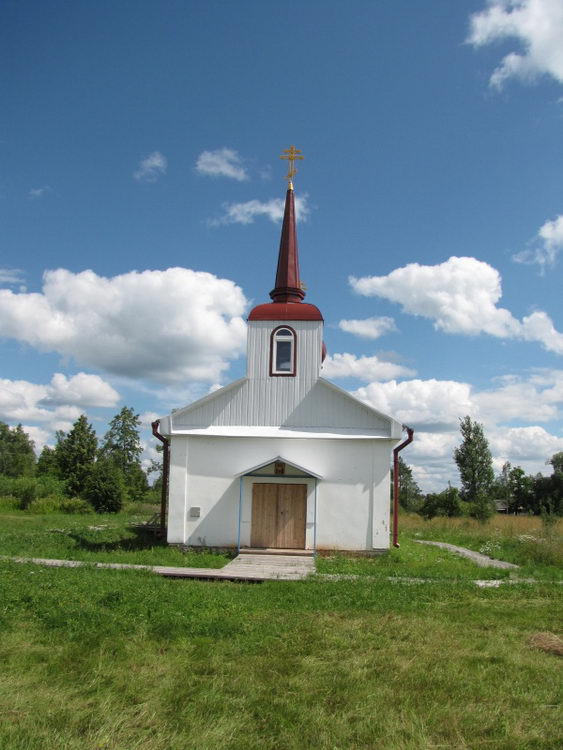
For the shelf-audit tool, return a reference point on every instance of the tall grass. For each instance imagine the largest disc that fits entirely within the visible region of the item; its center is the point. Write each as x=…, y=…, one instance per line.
x=110, y=660
x=524, y=540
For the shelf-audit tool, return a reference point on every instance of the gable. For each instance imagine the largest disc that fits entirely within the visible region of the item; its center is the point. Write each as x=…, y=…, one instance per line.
x=287, y=403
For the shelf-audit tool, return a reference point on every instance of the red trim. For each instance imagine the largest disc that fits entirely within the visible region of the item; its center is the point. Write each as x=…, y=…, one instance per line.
x=293, y=373
x=285, y=311
x=410, y=438
x=165, y=474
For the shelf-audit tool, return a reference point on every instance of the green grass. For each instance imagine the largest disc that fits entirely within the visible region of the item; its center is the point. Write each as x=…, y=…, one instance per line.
x=117, y=660
x=522, y=540
x=93, y=537
x=126, y=660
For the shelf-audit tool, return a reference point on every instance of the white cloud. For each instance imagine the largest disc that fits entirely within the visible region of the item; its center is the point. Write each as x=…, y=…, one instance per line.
x=369, y=328
x=365, y=368
x=435, y=407
x=524, y=444
x=536, y=24
x=148, y=417
x=39, y=436
x=246, y=213
x=11, y=276
x=62, y=399
x=428, y=404
x=80, y=390
x=224, y=162
x=460, y=296
x=39, y=192
x=167, y=326
x=548, y=244
x=151, y=167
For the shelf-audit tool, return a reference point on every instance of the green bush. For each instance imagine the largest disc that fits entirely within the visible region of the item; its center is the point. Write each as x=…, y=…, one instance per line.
x=75, y=505
x=6, y=486
x=25, y=490
x=105, y=488
x=447, y=503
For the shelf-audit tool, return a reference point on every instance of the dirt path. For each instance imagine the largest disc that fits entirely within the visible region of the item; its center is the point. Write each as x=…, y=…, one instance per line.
x=483, y=560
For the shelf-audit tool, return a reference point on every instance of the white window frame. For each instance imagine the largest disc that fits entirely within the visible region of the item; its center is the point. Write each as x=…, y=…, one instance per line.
x=278, y=337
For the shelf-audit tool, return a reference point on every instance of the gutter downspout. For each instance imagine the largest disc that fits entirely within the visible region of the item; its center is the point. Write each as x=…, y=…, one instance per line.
x=410, y=438
x=165, y=473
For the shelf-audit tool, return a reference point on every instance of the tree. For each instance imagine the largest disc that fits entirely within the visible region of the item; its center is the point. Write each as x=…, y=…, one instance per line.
x=520, y=488
x=104, y=487
x=410, y=494
x=446, y=503
x=122, y=446
x=556, y=462
x=17, y=455
x=75, y=455
x=47, y=462
x=475, y=464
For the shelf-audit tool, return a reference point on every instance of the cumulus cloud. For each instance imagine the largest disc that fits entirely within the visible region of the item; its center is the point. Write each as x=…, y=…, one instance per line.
x=246, y=213
x=364, y=368
x=151, y=167
x=80, y=390
x=524, y=444
x=434, y=408
x=62, y=399
x=224, y=162
x=369, y=328
x=429, y=404
x=166, y=326
x=548, y=244
x=39, y=436
x=536, y=24
x=460, y=296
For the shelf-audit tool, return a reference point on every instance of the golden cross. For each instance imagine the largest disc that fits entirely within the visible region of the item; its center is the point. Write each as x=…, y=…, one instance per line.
x=291, y=154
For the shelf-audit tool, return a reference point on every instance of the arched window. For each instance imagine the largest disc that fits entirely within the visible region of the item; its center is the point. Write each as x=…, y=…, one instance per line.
x=282, y=357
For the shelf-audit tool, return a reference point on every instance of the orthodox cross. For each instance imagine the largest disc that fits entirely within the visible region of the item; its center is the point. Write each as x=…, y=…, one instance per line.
x=291, y=154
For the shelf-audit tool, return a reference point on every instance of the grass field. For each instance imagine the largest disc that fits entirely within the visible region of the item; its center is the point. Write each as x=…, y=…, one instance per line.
x=120, y=660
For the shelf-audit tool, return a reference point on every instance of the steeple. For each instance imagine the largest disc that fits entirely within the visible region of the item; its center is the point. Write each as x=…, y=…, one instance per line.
x=288, y=289
x=288, y=286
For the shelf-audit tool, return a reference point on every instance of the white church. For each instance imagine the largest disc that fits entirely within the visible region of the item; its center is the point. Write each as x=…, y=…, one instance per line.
x=281, y=459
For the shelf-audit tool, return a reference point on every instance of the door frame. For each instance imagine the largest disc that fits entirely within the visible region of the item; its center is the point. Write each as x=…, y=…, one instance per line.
x=245, y=506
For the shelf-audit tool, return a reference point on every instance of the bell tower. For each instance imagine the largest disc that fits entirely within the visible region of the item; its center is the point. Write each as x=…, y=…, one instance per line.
x=285, y=336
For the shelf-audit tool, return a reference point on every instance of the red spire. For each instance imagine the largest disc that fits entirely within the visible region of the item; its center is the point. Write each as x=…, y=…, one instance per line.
x=288, y=284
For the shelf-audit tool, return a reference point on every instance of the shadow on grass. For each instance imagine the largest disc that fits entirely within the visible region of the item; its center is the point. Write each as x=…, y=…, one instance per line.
x=141, y=539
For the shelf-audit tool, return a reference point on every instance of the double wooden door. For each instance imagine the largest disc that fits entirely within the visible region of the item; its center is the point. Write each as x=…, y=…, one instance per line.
x=279, y=514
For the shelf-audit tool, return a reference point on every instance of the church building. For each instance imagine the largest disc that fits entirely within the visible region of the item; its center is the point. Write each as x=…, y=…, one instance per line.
x=282, y=458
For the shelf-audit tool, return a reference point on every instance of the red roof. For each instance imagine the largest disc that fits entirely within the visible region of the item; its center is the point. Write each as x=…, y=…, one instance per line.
x=288, y=286
x=285, y=311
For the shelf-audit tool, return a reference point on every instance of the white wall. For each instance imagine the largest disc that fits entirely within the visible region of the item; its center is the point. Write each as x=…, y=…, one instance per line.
x=352, y=496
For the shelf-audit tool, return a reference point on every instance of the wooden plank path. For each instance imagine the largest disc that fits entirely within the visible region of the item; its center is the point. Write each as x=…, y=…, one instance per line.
x=251, y=568
x=255, y=568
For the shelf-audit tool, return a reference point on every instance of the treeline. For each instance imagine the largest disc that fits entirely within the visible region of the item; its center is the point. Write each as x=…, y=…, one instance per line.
x=482, y=493
x=103, y=474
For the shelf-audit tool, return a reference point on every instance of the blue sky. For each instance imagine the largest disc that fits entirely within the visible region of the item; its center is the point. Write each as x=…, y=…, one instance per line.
x=140, y=194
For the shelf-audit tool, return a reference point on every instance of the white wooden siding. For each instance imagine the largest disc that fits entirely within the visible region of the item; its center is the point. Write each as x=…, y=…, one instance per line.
x=309, y=335
x=281, y=402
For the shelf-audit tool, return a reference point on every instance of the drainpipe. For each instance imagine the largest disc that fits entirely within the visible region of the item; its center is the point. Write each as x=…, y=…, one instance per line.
x=410, y=433
x=165, y=472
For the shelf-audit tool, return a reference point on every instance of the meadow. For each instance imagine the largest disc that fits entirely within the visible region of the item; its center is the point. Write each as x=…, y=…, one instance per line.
x=119, y=660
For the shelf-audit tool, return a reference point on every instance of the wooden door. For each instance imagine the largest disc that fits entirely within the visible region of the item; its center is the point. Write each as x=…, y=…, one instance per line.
x=279, y=514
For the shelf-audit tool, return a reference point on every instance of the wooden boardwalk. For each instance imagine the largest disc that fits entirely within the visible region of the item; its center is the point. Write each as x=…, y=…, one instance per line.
x=247, y=567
